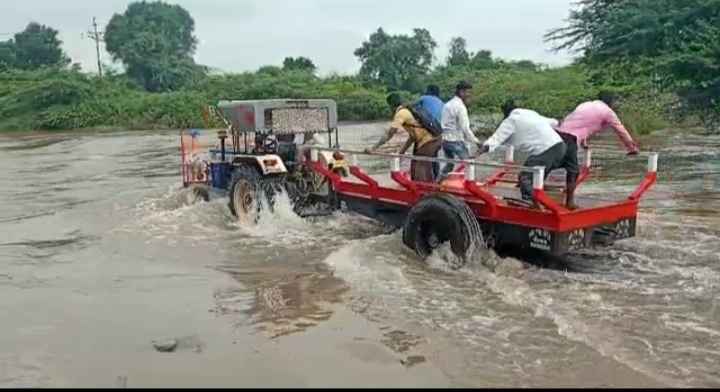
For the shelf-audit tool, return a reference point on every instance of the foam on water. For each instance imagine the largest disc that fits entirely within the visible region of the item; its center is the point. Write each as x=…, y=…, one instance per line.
x=179, y=214
x=631, y=312
x=280, y=224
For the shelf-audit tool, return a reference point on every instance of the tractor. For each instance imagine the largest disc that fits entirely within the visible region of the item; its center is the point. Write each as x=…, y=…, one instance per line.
x=265, y=149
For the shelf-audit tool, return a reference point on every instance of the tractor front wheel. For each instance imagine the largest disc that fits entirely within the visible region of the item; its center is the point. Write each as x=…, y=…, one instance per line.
x=200, y=192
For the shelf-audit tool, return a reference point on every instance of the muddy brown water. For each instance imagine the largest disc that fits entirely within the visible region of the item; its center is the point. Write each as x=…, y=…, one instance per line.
x=102, y=253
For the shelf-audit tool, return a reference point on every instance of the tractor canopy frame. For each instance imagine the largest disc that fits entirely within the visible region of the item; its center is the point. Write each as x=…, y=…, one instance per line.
x=255, y=122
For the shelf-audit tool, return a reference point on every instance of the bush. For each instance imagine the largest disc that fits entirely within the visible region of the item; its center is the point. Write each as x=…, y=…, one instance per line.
x=63, y=99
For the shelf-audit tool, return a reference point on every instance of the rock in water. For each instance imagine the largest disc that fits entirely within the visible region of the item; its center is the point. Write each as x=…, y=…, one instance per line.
x=166, y=346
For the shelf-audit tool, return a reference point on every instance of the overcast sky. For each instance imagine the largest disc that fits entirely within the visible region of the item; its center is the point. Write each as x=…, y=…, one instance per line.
x=236, y=35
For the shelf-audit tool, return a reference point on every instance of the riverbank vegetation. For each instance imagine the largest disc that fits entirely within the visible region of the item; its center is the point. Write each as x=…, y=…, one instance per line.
x=660, y=56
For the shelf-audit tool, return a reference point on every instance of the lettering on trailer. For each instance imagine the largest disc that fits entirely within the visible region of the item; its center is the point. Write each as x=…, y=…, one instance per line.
x=622, y=229
x=297, y=103
x=540, y=239
x=576, y=239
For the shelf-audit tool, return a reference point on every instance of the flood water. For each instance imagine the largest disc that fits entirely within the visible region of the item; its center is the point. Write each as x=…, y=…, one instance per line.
x=102, y=253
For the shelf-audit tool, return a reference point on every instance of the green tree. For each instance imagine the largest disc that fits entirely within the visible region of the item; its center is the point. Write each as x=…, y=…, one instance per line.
x=482, y=59
x=35, y=47
x=520, y=65
x=458, y=54
x=677, y=38
x=397, y=61
x=156, y=43
x=7, y=55
x=298, y=64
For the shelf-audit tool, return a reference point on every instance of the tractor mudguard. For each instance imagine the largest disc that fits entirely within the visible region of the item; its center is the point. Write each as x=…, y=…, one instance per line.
x=267, y=164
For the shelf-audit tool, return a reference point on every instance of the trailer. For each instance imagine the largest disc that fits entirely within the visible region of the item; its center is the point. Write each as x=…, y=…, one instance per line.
x=469, y=212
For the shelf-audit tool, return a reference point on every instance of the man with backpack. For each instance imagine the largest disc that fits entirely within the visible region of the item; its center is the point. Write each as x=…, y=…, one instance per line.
x=431, y=102
x=423, y=131
x=455, y=125
x=433, y=105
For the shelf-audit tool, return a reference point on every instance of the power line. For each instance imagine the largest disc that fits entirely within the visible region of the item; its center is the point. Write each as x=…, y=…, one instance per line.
x=96, y=36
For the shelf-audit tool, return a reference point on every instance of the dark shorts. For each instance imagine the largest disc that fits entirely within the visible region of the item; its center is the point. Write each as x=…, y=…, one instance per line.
x=570, y=160
x=551, y=159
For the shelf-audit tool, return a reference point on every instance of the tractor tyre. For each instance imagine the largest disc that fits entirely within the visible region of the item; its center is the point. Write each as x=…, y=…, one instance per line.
x=247, y=187
x=439, y=218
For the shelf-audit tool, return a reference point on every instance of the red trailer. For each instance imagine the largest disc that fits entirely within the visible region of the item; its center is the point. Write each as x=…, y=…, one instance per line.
x=469, y=212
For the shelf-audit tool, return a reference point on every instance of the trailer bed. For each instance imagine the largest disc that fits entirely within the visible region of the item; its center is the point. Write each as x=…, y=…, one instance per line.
x=502, y=193
x=391, y=196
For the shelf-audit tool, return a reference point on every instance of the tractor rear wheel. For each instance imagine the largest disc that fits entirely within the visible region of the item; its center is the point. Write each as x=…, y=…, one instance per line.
x=439, y=218
x=247, y=188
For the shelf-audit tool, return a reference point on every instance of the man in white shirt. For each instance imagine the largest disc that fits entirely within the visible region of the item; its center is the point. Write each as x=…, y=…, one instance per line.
x=456, y=127
x=529, y=131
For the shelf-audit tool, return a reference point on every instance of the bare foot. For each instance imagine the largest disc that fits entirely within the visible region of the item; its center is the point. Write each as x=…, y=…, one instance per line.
x=537, y=206
x=572, y=207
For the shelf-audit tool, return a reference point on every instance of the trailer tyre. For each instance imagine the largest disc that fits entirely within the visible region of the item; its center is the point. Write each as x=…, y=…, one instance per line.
x=247, y=187
x=440, y=218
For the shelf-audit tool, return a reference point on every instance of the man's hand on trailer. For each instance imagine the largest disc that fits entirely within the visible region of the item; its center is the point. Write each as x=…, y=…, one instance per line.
x=482, y=149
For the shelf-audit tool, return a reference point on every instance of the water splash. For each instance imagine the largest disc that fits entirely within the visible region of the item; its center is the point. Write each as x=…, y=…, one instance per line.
x=582, y=306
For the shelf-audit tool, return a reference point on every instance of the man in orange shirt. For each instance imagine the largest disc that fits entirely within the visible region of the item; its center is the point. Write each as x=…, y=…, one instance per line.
x=426, y=144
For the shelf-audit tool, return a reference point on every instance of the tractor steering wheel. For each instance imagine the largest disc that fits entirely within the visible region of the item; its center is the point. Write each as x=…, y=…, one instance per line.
x=267, y=146
x=270, y=145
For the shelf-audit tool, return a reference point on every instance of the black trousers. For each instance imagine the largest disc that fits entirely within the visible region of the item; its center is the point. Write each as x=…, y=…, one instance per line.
x=550, y=159
x=570, y=160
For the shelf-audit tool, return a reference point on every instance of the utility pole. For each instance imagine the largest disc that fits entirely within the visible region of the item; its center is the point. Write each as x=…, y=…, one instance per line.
x=96, y=36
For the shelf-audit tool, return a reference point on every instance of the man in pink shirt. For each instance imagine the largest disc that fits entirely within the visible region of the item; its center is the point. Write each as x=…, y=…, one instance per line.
x=587, y=119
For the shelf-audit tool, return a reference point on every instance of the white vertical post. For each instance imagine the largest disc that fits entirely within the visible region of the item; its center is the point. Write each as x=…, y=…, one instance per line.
x=539, y=177
x=652, y=162
x=441, y=166
x=510, y=154
x=469, y=171
x=314, y=155
x=395, y=164
x=353, y=159
x=588, y=157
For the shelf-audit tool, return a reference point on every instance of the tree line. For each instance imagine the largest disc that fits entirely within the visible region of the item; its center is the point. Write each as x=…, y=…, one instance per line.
x=661, y=56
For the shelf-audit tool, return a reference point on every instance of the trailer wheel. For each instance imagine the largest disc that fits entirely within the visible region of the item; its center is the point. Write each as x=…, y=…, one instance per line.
x=440, y=218
x=247, y=186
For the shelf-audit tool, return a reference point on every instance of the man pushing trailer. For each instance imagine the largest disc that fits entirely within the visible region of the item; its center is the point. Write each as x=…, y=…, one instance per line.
x=423, y=131
x=456, y=130
x=529, y=131
x=587, y=119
